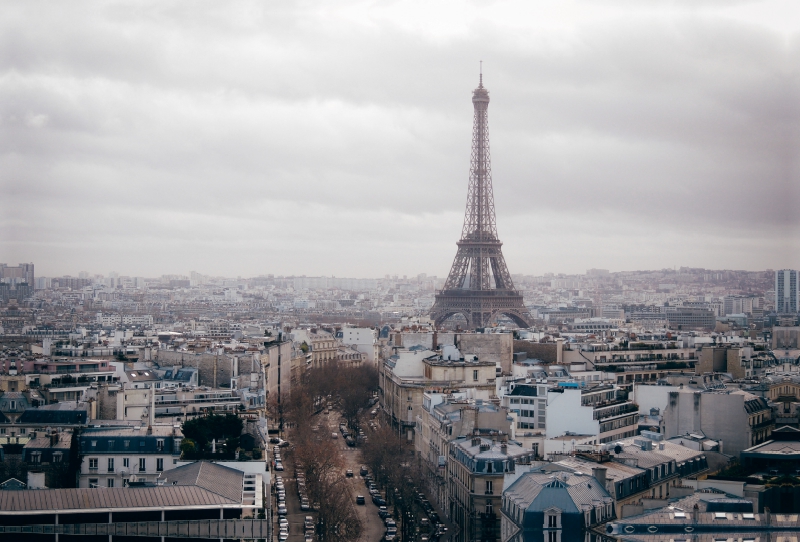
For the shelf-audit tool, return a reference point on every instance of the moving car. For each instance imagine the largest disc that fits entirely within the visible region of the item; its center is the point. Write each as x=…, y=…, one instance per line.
x=360, y=499
x=348, y=473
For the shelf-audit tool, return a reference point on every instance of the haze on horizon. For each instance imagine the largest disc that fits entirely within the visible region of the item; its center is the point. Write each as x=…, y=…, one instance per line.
x=241, y=139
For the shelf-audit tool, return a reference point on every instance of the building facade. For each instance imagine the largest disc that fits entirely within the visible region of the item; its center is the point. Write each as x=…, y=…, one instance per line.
x=118, y=456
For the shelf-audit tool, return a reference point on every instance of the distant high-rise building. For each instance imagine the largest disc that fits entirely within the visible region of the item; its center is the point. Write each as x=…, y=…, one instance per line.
x=20, y=273
x=786, y=293
x=16, y=282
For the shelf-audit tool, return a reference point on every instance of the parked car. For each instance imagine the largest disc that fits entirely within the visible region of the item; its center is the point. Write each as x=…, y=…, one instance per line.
x=383, y=512
x=282, y=510
x=360, y=499
x=378, y=500
x=364, y=471
x=334, y=435
x=308, y=522
x=348, y=473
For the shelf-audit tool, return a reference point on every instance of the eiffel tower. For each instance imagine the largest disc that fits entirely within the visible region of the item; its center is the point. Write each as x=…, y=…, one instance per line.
x=479, y=286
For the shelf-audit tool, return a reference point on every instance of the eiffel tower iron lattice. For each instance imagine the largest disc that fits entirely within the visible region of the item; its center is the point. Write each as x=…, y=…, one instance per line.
x=479, y=285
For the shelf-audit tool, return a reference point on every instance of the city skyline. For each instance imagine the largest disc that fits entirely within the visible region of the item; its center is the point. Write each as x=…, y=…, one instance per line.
x=334, y=141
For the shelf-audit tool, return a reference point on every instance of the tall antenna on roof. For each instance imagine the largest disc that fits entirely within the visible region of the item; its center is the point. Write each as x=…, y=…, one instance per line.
x=481, y=71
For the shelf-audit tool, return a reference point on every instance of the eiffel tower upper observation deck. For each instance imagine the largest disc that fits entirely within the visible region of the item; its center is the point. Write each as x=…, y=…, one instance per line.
x=479, y=285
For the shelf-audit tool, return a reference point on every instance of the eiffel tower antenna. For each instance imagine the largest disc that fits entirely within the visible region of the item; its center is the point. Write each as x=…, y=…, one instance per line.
x=479, y=286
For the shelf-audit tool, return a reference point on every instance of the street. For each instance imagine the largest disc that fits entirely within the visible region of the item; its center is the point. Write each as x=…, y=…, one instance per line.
x=373, y=526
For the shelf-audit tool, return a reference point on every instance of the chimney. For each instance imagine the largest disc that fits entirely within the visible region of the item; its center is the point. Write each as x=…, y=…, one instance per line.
x=767, y=516
x=435, y=341
x=504, y=448
x=600, y=475
x=36, y=480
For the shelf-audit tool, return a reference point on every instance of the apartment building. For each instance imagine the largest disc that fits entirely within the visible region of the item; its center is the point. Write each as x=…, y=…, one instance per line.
x=636, y=468
x=445, y=418
x=598, y=412
x=476, y=470
x=408, y=374
x=116, y=456
x=736, y=418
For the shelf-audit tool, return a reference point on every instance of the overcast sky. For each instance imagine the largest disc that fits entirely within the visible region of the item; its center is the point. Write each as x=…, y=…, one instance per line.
x=333, y=138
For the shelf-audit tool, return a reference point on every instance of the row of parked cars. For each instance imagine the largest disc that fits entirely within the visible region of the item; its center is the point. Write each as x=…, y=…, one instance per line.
x=300, y=474
x=380, y=502
x=283, y=522
x=276, y=450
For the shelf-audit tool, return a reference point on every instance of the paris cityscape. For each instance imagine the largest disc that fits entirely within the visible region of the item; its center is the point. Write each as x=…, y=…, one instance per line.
x=607, y=351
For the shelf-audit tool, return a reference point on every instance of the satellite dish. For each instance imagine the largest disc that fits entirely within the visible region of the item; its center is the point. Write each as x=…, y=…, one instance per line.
x=617, y=449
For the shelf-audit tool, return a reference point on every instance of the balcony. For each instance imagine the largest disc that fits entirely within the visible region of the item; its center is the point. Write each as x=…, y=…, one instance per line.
x=765, y=423
x=603, y=413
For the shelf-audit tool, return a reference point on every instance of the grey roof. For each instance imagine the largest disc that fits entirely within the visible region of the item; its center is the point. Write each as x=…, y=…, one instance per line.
x=109, y=498
x=537, y=491
x=224, y=481
x=615, y=472
x=650, y=458
x=787, y=449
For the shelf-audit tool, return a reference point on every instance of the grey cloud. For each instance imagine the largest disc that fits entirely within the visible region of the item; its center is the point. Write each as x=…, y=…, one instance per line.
x=160, y=126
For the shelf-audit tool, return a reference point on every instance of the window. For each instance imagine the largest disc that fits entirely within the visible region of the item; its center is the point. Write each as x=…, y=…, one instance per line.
x=126, y=462
x=552, y=522
x=110, y=464
x=94, y=444
x=92, y=463
x=552, y=536
x=21, y=430
x=475, y=374
x=489, y=509
x=110, y=482
x=36, y=457
x=160, y=464
x=57, y=457
x=489, y=487
x=160, y=444
x=126, y=443
x=93, y=482
x=142, y=464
